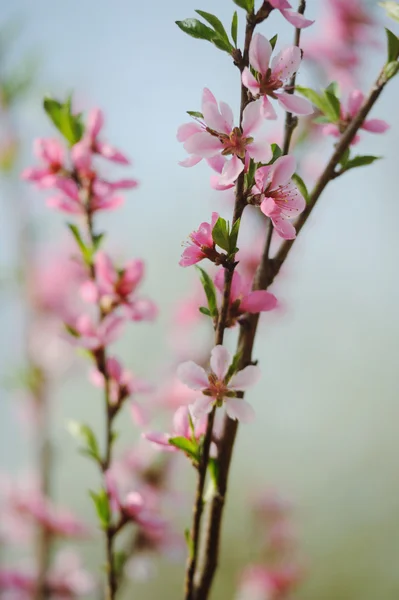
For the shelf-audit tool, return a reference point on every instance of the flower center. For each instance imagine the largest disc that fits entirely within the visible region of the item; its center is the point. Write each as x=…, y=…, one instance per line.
x=235, y=143
x=268, y=85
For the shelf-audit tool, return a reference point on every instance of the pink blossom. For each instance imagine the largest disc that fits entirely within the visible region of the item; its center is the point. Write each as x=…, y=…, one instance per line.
x=293, y=17
x=121, y=385
x=95, y=122
x=269, y=81
x=219, y=386
x=115, y=287
x=72, y=201
x=242, y=299
x=256, y=584
x=355, y=102
x=201, y=244
x=278, y=196
x=216, y=134
x=181, y=428
x=85, y=333
x=52, y=154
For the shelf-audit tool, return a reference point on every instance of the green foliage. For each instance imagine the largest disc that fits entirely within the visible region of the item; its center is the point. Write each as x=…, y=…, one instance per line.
x=85, y=435
x=277, y=152
x=392, y=9
x=194, y=113
x=210, y=291
x=247, y=5
x=69, y=125
x=223, y=237
x=299, y=182
x=360, y=161
x=327, y=101
x=392, y=46
x=199, y=30
x=190, y=447
x=234, y=28
x=101, y=503
x=233, y=367
x=273, y=41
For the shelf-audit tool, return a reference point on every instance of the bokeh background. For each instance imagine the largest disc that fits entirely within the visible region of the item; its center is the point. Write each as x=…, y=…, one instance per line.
x=327, y=413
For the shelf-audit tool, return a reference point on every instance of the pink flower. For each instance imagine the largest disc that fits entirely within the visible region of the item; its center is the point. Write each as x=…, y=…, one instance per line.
x=269, y=81
x=278, y=196
x=355, y=102
x=242, y=299
x=72, y=202
x=256, y=584
x=95, y=122
x=52, y=154
x=181, y=428
x=116, y=287
x=201, y=244
x=219, y=386
x=295, y=18
x=85, y=333
x=216, y=134
x=122, y=383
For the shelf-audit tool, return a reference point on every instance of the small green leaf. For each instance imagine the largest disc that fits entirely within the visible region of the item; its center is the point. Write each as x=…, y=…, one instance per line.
x=86, y=435
x=189, y=542
x=333, y=89
x=322, y=102
x=87, y=253
x=301, y=186
x=209, y=289
x=392, y=9
x=391, y=69
x=199, y=30
x=61, y=115
x=233, y=367
x=247, y=5
x=321, y=119
x=392, y=46
x=360, y=161
x=215, y=22
x=188, y=446
x=273, y=41
x=53, y=109
x=102, y=506
x=345, y=157
x=97, y=241
x=234, y=28
x=71, y=330
x=194, y=113
x=277, y=152
x=334, y=106
x=220, y=234
x=205, y=311
x=233, y=237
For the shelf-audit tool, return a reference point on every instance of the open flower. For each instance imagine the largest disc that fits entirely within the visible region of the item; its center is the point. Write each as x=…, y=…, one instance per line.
x=85, y=333
x=293, y=17
x=278, y=196
x=216, y=134
x=219, y=386
x=243, y=299
x=95, y=123
x=270, y=81
x=355, y=102
x=181, y=428
x=52, y=154
x=201, y=244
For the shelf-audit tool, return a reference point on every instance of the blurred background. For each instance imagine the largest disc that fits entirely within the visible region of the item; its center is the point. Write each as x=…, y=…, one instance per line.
x=325, y=435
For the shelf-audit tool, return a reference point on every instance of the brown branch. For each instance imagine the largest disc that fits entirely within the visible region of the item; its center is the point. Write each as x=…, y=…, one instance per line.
x=267, y=270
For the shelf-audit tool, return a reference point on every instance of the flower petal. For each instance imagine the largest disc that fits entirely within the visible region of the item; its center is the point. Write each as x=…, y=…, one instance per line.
x=295, y=104
x=207, y=96
x=159, y=439
x=187, y=130
x=190, y=161
x=296, y=19
x=240, y=410
x=214, y=119
x=251, y=118
x=260, y=150
x=286, y=63
x=250, y=82
x=201, y=407
x=284, y=228
x=246, y=378
x=355, y=101
x=231, y=170
x=375, y=125
x=258, y=301
x=203, y=144
x=260, y=51
x=220, y=361
x=267, y=110
x=282, y=171
x=192, y=375
x=181, y=424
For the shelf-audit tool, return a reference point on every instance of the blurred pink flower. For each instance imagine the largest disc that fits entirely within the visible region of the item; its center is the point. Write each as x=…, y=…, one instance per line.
x=85, y=333
x=181, y=428
x=51, y=152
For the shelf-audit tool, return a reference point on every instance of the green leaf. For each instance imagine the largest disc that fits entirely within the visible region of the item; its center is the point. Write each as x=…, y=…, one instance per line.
x=247, y=5
x=220, y=234
x=234, y=28
x=120, y=558
x=273, y=41
x=188, y=446
x=360, y=161
x=334, y=106
x=53, y=109
x=392, y=46
x=277, y=152
x=189, y=542
x=392, y=9
x=323, y=102
x=321, y=119
x=215, y=22
x=233, y=367
x=194, y=113
x=333, y=89
x=103, y=509
x=86, y=435
x=391, y=69
x=209, y=289
x=69, y=125
x=345, y=157
x=97, y=240
x=301, y=186
x=233, y=237
x=87, y=253
x=205, y=311
x=199, y=30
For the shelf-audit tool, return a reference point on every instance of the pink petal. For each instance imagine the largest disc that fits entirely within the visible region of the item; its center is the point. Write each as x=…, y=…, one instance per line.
x=231, y=170
x=238, y=286
x=220, y=361
x=142, y=309
x=296, y=19
x=207, y=96
x=217, y=162
x=191, y=161
x=96, y=378
x=192, y=375
x=246, y=378
x=114, y=368
x=251, y=118
x=201, y=407
x=250, y=82
x=89, y=292
x=65, y=205
x=95, y=122
x=268, y=206
x=260, y=150
x=227, y=115
x=69, y=187
x=260, y=51
x=286, y=63
x=203, y=144
x=282, y=171
x=331, y=129
x=123, y=184
x=240, y=410
x=295, y=104
x=158, y=438
x=181, y=424
x=375, y=125
x=355, y=102
x=105, y=270
x=216, y=185
x=33, y=174
x=187, y=130
x=258, y=301
x=262, y=177
x=191, y=256
x=81, y=155
x=284, y=228
x=106, y=203
x=110, y=329
x=213, y=118
x=290, y=201
x=267, y=110
x=219, y=279
x=110, y=153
